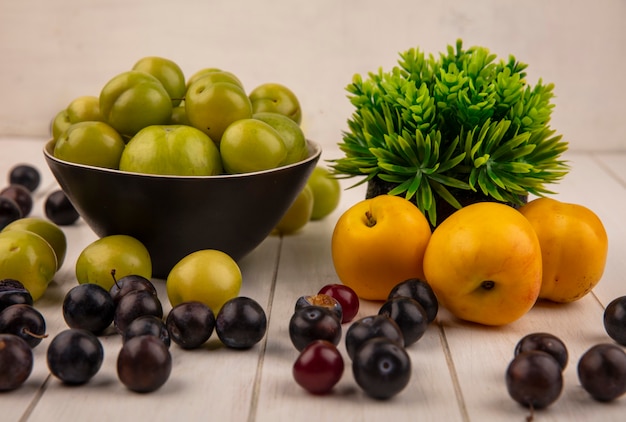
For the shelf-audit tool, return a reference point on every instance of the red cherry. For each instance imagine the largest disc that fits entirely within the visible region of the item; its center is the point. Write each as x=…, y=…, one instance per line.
x=346, y=297
x=318, y=367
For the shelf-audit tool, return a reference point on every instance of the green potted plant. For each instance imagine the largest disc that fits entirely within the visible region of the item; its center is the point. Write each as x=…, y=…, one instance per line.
x=451, y=130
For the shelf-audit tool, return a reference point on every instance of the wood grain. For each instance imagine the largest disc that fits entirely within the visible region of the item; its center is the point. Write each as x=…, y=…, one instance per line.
x=457, y=368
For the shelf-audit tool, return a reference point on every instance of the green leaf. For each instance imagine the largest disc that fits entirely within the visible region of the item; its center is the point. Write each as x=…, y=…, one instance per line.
x=450, y=181
x=481, y=161
x=494, y=178
x=449, y=164
x=424, y=196
x=445, y=194
x=402, y=187
x=463, y=119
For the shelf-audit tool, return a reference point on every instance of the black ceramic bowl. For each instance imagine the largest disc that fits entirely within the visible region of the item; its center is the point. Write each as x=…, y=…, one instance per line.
x=176, y=215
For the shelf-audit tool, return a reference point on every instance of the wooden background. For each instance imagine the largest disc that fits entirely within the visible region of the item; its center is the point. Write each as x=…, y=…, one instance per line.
x=54, y=51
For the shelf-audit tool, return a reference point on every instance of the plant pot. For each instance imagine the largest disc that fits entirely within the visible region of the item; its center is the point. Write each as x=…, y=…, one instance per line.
x=377, y=187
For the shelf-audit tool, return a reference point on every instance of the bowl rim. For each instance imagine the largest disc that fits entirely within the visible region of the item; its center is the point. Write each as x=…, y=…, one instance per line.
x=314, y=148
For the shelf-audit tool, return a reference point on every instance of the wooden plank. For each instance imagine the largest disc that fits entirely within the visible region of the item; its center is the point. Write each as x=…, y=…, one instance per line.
x=614, y=163
x=590, y=183
x=306, y=266
x=458, y=368
x=204, y=382
x=29, y=151
x=207, y=381
x=481, y=354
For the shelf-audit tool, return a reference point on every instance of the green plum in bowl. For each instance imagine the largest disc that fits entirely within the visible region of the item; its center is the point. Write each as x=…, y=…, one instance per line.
x=176, y=215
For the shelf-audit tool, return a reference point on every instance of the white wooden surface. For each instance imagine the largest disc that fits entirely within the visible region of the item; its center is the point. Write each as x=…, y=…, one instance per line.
x=54, y=51
x=458, y=368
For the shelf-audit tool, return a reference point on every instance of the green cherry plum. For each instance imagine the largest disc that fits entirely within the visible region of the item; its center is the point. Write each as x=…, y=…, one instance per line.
x=60, y=123
x=28, y=258
x=90, y=143
x=81, y=109
x=122, y=253
x=133, y=100
x=276, y=98
x=298, y=214
x=167, y=72
x=46, y=229
x=250, y=145
x=213, y=106
x=201, y=73
x=84, y=109
x=208, y=276
x=171, y=150
x=326, y=192
x=179, y=115
x=214, y=75
x=292, y=135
